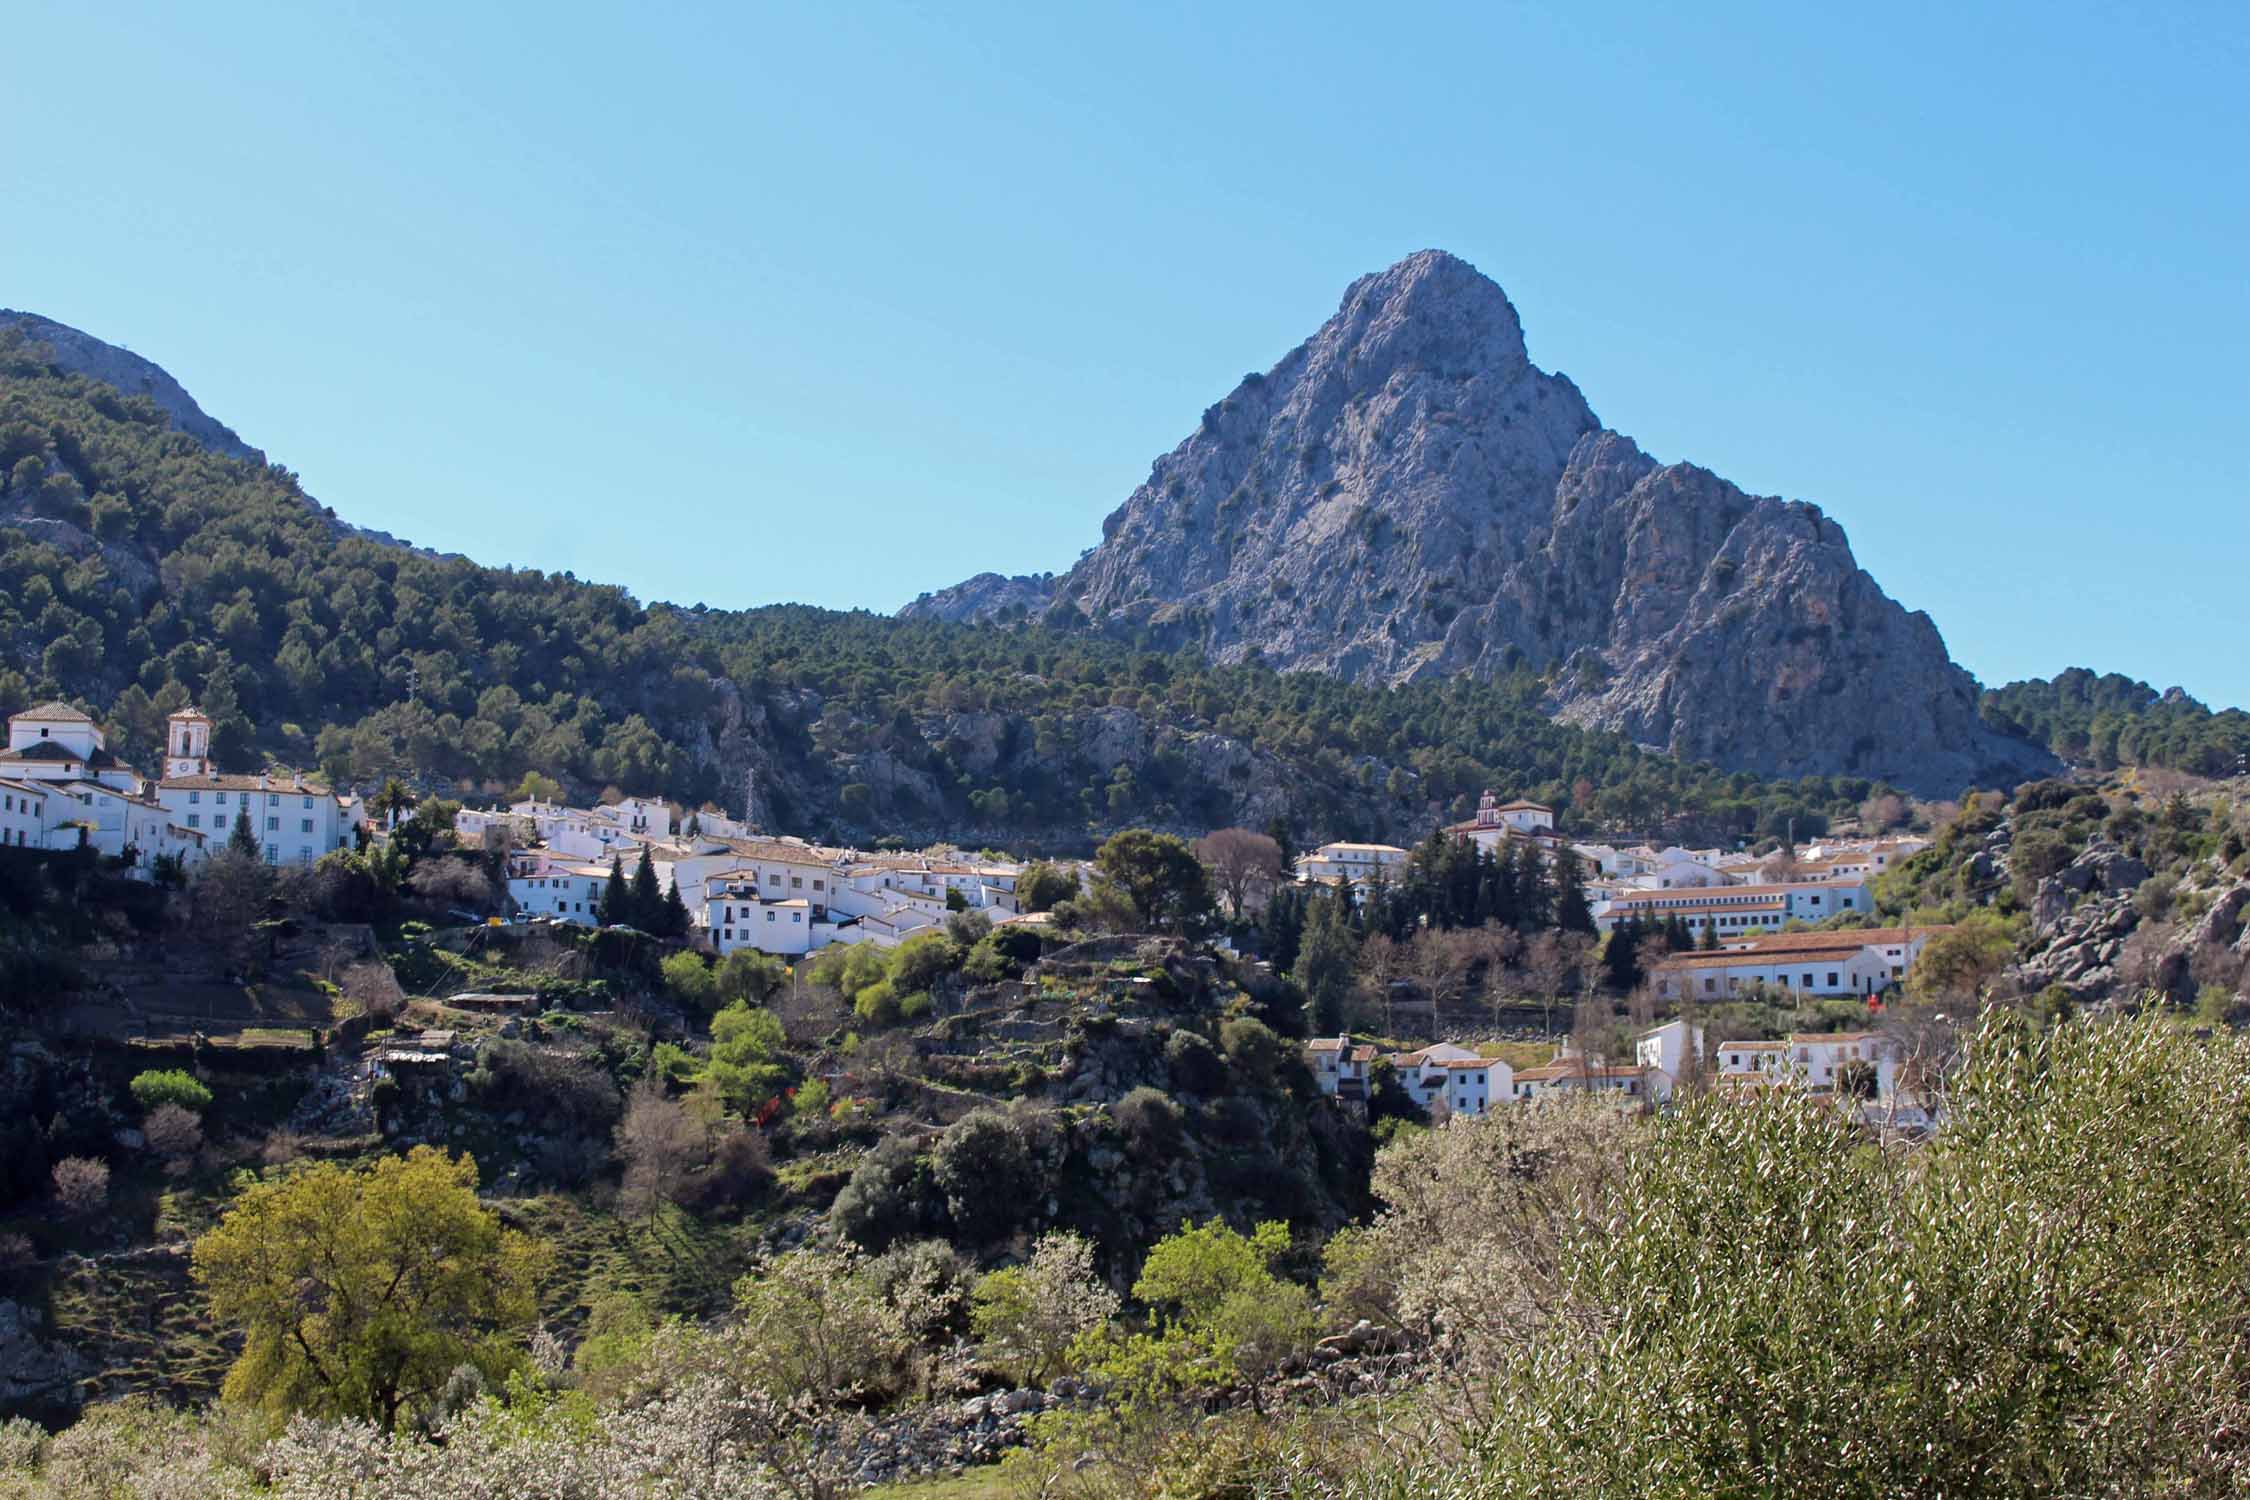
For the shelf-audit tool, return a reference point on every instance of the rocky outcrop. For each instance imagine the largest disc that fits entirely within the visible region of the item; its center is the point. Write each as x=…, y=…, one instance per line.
x=1406, y=494
x=988, y=596
x=34, y=1372
x=83, y=354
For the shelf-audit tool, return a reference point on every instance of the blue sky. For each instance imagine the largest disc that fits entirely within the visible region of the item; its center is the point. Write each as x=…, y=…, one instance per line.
x=742, y=303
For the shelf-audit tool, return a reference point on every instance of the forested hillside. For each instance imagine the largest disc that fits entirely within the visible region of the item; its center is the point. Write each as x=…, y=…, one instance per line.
x=2111, y=721
x=139, y=571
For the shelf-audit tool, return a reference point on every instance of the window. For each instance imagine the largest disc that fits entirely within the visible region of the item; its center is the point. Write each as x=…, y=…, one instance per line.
x=273, y=825
x=308, y=804
x=769, y=916
x=194, y=820
x=304, y=855
x=220, y=798
x=796, y=882
x=816, y=883
x=306, y=825
x=273, y=799
x=1808, y=981
x=273, y=855
x=796, y=916
x=1832, y=981
x=195, y=797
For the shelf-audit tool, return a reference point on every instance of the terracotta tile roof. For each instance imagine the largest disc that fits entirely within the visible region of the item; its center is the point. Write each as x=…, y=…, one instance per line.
x=52, y=712
x=1747, y=958
x=294, y=785
x=44, y=750
x=1863, y=937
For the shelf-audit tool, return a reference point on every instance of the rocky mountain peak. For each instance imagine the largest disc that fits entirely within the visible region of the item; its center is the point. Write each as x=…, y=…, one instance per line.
x=1432, y=311
x=1406, y=494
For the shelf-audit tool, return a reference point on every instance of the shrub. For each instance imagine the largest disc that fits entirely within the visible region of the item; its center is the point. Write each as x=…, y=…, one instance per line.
x=914, y=1006
x=173, y=1132
x=690, y=980
x=1195, y=1064
x=933, y=1278
x=922, y=960
x=170, y=1086
x=878, y=1004
x=1029, y=1317
x=1254, y=1049
x=81, y=1185
x=553, y=1085
x=988, y=1164
x=1150, y=1120
x=740, y=1170
x=890, y=1195
x=986, y=964
x=2030, y=1303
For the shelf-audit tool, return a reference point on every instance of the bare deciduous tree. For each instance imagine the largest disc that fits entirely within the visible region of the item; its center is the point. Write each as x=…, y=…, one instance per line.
x=663, y=1144
x=1243, y=864
x=81, y=1185
x=174, y=1133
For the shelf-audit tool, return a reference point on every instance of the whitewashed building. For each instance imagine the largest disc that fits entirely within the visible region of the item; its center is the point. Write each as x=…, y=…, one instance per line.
x=1736, y=909
x=293, y=819
x=1863, y=961
x=1357, y=863
x=23, y=814
x=1498, y=823
x=55, y=742
x=544, y=884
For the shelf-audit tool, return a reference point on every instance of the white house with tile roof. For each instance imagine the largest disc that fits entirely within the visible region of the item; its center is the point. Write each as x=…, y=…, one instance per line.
x=55, y=742
x=545, y=884
x=1356, y=863
x=294, y=819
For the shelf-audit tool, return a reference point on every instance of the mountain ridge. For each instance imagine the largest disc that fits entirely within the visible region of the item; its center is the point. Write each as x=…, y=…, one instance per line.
x=1405, y=494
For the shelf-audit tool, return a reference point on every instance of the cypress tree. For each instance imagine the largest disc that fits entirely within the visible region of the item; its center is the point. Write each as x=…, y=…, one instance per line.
x=1572, y=914
x=243, y=840
x=675, y=913
x=617, y=899
x=1621, y=959
x=1325, y=962
x=648, y=901
x=1283, y=927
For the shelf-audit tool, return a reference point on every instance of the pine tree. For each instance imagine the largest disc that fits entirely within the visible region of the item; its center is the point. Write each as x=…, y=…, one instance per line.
x=1709, y=941
x=647, y=900
x=617, y=899
x=244, y=839
x=675, y=913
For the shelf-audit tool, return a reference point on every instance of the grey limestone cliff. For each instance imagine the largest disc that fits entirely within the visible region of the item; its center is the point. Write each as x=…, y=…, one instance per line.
x=1406, y=494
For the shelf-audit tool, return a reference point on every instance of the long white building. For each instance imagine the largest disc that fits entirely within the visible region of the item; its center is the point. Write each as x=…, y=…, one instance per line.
x=293, y=819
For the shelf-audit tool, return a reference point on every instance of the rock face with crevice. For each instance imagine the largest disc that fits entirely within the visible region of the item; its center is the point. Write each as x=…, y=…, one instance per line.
x=1406, y=494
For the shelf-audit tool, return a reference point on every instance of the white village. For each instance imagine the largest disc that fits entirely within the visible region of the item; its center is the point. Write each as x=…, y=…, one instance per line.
x=747, y=889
